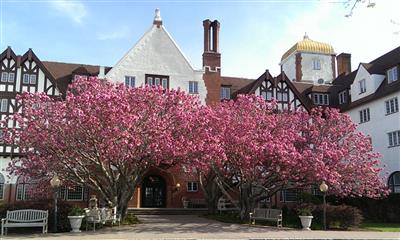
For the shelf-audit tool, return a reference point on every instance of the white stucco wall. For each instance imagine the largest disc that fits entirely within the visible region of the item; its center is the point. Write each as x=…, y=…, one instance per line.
x=289, y=67
x=309, y=74
x=157, y=53
x=372, y=83
x=378, y=128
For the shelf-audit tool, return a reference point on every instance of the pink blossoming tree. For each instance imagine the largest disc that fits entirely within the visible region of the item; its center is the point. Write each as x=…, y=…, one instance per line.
x=261, y=151
x=102, y=136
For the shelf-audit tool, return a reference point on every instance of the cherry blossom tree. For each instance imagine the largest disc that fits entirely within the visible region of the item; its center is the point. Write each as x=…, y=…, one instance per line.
x=102, y=136
x=261, y=151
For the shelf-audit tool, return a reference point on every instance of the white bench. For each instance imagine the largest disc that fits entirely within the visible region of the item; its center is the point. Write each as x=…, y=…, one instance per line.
x=266, y=214
x=225, y=205
x=101, y=216
x=25, y=218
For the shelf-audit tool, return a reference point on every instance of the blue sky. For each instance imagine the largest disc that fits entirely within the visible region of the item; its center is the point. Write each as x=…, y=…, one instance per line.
x=254, y=33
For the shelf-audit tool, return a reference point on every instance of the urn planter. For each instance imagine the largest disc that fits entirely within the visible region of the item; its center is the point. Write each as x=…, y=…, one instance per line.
x=75, y=222
x=306, y=222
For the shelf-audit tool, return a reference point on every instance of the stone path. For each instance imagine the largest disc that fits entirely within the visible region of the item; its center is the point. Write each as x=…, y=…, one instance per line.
x=193, y=227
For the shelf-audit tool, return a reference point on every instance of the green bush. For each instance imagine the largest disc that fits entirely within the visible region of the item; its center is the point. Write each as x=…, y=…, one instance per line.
x=341, y=216
x=46, y=204
x=130, y=219
x=386, y=210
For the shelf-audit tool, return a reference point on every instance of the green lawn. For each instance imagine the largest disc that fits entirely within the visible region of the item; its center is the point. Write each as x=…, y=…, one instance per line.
x=381, y=227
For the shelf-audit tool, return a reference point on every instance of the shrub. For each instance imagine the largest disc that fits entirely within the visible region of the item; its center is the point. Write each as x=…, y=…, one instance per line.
x=341, y=216
x=130, y=219
x=46, y=204
x=376, y=210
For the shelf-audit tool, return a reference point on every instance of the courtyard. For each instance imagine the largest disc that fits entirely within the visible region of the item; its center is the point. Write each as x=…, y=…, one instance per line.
x=195, y=227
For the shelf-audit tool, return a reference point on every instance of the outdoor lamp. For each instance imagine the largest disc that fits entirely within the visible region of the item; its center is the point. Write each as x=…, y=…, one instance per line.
x=178, y=186
x=324, y=188
x=55, y=182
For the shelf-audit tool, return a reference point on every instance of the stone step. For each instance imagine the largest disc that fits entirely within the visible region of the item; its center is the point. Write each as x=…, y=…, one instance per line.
x=167, y=211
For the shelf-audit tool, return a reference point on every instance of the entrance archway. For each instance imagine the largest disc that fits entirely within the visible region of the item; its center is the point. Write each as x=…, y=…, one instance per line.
x=153, y=192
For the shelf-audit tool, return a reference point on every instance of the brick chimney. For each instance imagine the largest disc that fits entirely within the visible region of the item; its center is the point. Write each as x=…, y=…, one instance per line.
x=212, y=61
x=343, y=63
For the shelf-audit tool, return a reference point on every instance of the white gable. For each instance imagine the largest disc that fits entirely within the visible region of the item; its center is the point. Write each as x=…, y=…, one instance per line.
x=157, y=53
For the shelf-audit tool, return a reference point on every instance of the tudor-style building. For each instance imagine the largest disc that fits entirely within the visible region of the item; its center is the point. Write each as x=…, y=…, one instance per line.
x=155, y=59
x=370, y=94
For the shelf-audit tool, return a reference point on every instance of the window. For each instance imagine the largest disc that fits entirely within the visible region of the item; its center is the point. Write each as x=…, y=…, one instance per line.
x=25, y=79
x=394, y=138
x=393, y=74
x=11, y=77
x=394, y=182
x=4, y=105
x=129, y=81
x=2, y=182
x=321, y=99
x=392, y=106
x=342, y=97
x=321, y=81
x=192, y=187
x=157, y=80
x=74, y=193
x=363, y=86
x=32, y=79
x=225, y=92
x=316, y=64
x=288, y=195
x=25, y=189
x=193, y=87
x=364, y=115
x=4, y=77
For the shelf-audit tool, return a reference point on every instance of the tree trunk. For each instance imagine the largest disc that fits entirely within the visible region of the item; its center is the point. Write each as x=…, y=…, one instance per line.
x=246, y=201
x=124, y=196
x=211, y=191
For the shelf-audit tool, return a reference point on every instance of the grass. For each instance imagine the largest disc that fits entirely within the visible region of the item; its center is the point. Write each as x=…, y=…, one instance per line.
x=381, y=227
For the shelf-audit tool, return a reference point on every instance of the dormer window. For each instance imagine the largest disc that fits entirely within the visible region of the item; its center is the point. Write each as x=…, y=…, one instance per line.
x=342, y=97
x=225, y=93
x=392, y=74
x=363, y=86
x=316, y=64
x=157, y=80
x=321, y=99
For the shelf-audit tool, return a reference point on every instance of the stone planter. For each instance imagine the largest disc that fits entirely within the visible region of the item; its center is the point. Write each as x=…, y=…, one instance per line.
x=306, y=222
x=75, y=222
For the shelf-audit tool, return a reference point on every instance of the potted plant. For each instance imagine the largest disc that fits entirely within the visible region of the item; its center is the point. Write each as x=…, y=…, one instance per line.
x=75, y=217
x=305, y=215
x=185, y=202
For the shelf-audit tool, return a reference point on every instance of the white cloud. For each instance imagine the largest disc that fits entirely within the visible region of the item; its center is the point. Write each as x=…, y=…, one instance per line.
x=73, y=9
x=368, y=34
x=119, y=33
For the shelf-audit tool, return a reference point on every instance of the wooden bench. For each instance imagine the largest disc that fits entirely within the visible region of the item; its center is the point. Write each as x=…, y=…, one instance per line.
x=25, y=218
x=197, y=203
x=266, y=214
x=225, y=205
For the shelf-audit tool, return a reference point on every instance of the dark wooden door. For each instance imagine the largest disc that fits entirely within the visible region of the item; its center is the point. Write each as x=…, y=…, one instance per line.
x=153, y=192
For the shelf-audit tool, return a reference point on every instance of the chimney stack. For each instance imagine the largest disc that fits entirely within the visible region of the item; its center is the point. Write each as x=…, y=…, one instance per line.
x=212, y=61
x=343, y=63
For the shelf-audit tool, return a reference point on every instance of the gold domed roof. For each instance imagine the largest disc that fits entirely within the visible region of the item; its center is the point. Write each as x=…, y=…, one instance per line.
x=308, y=45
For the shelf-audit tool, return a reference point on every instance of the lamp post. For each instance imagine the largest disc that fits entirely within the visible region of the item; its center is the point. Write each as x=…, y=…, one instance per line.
x=55, y=182
x=324, y=188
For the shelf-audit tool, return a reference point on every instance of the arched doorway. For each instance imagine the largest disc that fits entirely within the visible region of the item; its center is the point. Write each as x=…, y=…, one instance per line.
x=153, y=192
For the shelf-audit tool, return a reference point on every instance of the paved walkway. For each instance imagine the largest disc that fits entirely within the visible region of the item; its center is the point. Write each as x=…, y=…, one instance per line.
x=193, y=227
